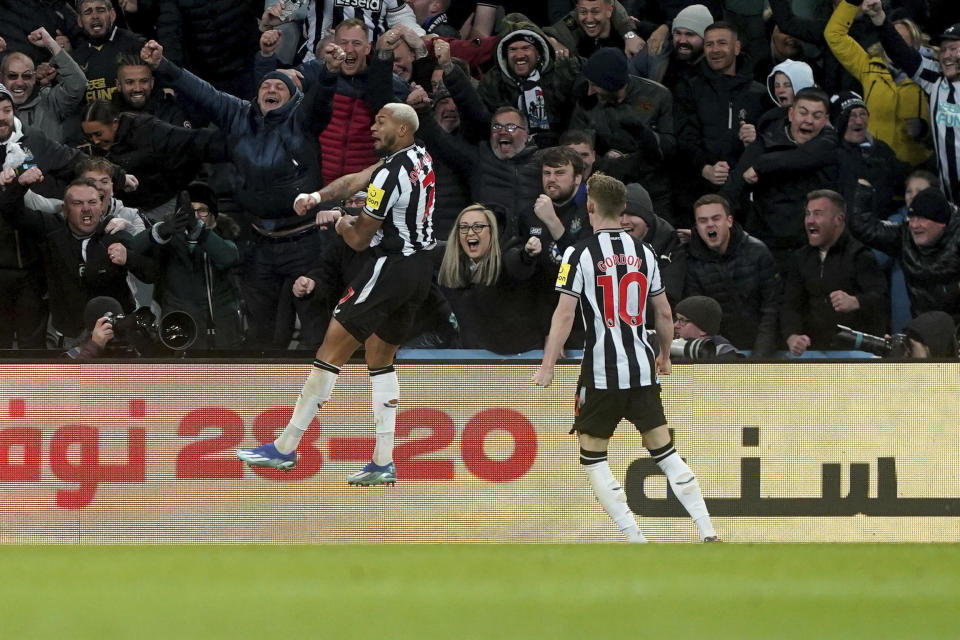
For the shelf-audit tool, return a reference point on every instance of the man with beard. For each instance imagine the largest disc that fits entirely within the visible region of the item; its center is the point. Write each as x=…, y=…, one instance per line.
x=532, y=78
x=682, y=53
x=44, y=108
x=833, y=280
x=940, y=80
x=556, y=208
x=101, y=43
x=378, y=307
x=135, y=92
x=790, y=157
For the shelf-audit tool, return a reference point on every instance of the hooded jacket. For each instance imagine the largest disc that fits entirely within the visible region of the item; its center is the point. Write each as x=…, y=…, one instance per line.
x=500, y=86
x=744, y=281
x=799, y=73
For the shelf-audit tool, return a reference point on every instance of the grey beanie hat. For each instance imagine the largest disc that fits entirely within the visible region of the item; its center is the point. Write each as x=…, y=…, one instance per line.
x=696, y=18
x=702, y=311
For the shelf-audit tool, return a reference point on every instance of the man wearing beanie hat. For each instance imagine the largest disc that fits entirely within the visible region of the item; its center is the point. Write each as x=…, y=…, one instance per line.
x=698, y=318
x=273, y=144
x=927, y=243
x=640, y=221
x=629, y=115
x=860, y=155
x=932, y=335
x=531, y=77
x=594, y=24
x=679, y=56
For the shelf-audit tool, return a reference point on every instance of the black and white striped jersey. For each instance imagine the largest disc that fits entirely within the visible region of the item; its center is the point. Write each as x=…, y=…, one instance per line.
x=402, y=194
x=378, y=15
x=613, y=275
x=945, y=119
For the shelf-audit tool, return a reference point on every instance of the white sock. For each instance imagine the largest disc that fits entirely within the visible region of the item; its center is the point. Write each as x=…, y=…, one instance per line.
x=610, y=494
x=686, y=487
x=314, y=394
x=386, y=388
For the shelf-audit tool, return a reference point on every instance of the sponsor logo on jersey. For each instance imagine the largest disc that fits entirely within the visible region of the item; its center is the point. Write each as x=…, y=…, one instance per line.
x=374, y=197
x=562, y=275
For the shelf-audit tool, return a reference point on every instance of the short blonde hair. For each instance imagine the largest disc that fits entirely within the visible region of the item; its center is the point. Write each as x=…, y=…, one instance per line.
x=608, y=195
x=404, y=114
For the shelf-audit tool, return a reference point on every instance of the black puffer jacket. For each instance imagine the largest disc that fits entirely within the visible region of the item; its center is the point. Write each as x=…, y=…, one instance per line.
x=213, y=38
x=708, y=108
x=745, y=283
x=850, y=267
x=932, y=272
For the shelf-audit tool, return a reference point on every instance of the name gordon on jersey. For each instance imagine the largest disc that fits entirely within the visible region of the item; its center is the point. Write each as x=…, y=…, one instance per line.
x=619, y=259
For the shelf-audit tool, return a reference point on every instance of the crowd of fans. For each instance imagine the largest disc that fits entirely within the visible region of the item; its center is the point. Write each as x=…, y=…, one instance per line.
x=793, y=163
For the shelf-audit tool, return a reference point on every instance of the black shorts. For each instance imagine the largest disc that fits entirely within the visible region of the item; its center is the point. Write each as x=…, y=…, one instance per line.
x=599, y=411
x=384, y=297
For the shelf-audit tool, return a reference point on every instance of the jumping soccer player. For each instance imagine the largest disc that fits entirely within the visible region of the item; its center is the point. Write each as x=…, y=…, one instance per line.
x=613, y=276
x=378, y=307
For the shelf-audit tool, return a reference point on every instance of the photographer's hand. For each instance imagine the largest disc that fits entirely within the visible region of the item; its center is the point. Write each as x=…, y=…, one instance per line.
x=102, y=332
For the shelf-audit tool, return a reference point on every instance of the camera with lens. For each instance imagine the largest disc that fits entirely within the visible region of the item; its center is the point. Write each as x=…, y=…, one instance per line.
x=695, y=349
x=895, y=346
x=140, y=332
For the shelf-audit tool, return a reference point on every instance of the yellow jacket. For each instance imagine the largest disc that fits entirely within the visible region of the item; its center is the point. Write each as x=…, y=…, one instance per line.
x=890, y=104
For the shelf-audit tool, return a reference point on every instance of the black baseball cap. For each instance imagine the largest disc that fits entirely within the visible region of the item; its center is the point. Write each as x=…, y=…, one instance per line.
x=953, y=33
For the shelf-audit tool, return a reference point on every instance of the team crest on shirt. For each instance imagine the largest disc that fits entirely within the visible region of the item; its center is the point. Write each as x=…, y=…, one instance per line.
x=562, y=275
x=374, y=197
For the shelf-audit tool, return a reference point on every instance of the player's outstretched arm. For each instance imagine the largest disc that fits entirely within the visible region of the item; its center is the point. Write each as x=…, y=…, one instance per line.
x=345, y=186
x=560, y=327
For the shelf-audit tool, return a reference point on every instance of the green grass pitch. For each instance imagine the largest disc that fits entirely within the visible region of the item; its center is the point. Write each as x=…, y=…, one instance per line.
x=459, y=592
